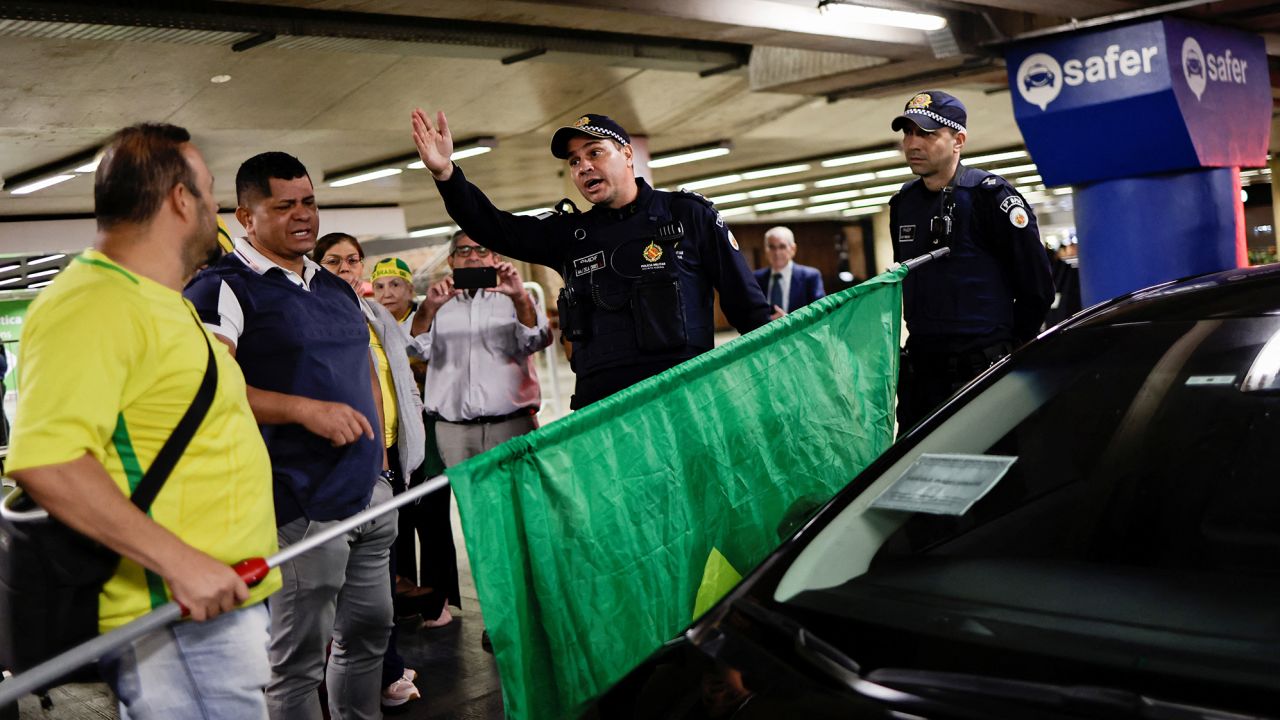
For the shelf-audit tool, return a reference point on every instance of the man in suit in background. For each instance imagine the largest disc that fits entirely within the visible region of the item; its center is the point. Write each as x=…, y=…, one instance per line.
x=788, y=285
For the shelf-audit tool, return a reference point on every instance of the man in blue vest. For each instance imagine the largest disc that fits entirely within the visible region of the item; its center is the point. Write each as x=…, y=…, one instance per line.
x=787, y=284
x=971, y=308
x=303, y=344
x=640, y=267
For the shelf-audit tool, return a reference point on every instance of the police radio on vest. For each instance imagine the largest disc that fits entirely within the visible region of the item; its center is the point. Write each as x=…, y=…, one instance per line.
x=1097, y=68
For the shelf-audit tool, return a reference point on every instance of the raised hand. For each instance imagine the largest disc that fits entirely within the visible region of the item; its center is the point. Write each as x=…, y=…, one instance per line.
x=435, y=144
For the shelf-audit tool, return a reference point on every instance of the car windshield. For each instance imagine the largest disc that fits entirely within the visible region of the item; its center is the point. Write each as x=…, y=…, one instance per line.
x=1137, y=528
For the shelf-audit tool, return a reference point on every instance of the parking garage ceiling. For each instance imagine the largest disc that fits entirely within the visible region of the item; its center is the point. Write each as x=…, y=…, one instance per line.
x=334, y=81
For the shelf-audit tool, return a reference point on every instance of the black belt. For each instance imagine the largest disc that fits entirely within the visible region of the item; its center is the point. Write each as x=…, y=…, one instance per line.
x=488, y=419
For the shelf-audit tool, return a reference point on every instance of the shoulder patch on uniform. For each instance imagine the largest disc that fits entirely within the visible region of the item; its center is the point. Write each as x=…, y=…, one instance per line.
x=733, y=241
x=1018, y=217
x=991, y=181
x=1011, y=201
x=691, y=195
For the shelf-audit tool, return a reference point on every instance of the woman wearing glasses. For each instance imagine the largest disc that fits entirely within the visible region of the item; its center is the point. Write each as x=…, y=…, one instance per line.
x=401, y=413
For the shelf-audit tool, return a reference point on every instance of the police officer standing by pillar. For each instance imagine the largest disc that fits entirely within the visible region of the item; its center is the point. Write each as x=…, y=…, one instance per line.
x=967, y=310
x=639, y=267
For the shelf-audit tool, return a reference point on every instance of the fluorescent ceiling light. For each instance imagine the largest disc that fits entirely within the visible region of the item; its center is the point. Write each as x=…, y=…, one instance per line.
x=779, y=190
x=365, y=177
x=428, y=232
x=842, y=195
x=845, y=180
x=11, y=280
x=40, y=184
x=691, y=154
x=1015, y=169
x=710, y=182
x=772, y=172
x=7, y=268
x=894, y=172
x=879, y=189
x=828, y=208
x=857, y=212
x=41, y=261
x=1031, y=179
x=868, y=202
x=730, y=212
x=731, y=197
x=995, y=157
x=90, y=167
x=39, y=284
x=42, y=273
x=457, y=155
x=778, y=204
x=881, y=16
x=860, y=158
x=1061, y=191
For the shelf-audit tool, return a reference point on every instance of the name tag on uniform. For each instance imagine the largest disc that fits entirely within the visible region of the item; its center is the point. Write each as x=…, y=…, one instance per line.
x=588, y=264
x=906, y=233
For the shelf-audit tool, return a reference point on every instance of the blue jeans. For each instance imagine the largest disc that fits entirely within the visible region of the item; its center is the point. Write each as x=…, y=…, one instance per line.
x=199, y=670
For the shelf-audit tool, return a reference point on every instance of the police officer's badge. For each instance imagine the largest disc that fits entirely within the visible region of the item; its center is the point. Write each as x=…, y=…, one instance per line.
x=1018, y=217
x=584, y=120
x=652, y=253
x=920, y=101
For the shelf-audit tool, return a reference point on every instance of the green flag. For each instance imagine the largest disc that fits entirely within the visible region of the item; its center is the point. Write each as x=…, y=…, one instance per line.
x=591, y=538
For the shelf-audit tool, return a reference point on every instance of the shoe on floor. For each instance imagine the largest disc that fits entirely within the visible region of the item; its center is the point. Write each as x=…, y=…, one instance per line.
x=445, y=618
x=401, y=691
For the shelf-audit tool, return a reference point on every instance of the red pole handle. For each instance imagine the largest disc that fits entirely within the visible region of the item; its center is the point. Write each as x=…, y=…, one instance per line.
x=251, y=571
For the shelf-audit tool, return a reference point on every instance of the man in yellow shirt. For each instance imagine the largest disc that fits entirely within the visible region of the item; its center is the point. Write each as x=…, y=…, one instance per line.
x=112, y=356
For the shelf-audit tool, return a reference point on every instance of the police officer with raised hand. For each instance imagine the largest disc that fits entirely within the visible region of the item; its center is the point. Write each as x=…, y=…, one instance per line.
x=639, y=267
x=967, y=310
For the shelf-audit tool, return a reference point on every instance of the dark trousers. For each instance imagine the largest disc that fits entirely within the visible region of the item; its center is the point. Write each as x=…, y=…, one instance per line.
x=430, y=522
x=927, y=378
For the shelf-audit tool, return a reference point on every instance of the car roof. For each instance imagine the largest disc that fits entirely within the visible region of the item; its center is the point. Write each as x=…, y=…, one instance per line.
x=1240, y=292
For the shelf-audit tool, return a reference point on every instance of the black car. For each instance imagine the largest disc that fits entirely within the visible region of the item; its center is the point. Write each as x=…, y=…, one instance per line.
x=1111, y=547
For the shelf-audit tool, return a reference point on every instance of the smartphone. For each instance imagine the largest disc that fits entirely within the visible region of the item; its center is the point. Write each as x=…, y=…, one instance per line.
x=475, y=278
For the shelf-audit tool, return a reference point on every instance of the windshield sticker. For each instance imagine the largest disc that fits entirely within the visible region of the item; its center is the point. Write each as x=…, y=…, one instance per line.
x=1211, y=380
x=944, y=484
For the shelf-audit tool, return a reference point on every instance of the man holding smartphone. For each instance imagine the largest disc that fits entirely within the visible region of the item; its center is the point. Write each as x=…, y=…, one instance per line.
x=478, y=330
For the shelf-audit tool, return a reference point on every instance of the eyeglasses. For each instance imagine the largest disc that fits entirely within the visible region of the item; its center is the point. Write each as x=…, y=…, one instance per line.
x=772, y=246
x=466, y=250
x=333, y=261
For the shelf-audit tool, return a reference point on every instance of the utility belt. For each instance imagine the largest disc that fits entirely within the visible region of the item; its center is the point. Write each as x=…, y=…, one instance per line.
x=653, y=306
x=957, y=367
x=487, y=419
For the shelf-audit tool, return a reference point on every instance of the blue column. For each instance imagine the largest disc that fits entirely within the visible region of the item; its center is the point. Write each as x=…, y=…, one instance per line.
x=1136, y=232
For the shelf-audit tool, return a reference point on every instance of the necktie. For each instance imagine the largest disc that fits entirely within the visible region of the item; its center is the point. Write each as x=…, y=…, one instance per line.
x=775, y=290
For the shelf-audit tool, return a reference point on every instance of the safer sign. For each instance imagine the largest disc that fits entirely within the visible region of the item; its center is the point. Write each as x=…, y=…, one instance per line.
x=1151, y=97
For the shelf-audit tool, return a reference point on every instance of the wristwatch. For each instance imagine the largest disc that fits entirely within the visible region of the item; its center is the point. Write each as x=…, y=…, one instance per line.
x=388, y=475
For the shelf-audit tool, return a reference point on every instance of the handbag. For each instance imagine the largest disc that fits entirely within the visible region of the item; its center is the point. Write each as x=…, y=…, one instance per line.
x=51, y=576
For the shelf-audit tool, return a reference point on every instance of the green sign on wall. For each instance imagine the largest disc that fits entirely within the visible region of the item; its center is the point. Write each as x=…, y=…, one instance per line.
x=12, y=314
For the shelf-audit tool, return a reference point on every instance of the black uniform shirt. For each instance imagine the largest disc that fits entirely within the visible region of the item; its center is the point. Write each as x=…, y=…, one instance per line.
x=995, y=286
x=708, y=257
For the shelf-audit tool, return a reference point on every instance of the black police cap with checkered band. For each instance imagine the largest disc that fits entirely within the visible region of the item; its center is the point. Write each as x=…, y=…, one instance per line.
x=931, y=110
x=589, y=125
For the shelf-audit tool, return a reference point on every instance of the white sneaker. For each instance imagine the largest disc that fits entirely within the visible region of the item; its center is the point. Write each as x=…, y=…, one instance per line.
x=401, y=691
x=445, y=618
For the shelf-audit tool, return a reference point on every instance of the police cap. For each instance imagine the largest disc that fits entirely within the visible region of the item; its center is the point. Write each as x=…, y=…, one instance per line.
x=589, y=125
x=931, y=110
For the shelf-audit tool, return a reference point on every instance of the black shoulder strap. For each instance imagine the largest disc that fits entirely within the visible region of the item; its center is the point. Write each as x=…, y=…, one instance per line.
x=177, y=443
